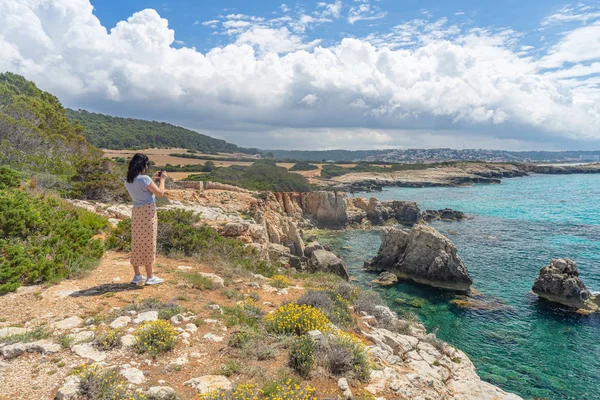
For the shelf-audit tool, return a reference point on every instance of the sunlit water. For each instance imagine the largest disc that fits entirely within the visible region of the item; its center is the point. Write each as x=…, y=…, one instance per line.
x=528, y=347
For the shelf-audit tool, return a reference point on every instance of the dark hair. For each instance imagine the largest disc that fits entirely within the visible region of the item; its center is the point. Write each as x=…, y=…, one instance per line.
x=138, y=163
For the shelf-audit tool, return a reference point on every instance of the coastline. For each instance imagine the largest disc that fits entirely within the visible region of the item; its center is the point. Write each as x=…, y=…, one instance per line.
x=459, y=174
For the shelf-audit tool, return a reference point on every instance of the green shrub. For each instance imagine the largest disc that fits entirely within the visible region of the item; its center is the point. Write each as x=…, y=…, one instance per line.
x=335, y=307
x=109, y=340
x=170, y=311
x=247, y=314
x=179, y=234
x=346, y=353
x=198, y=281
x=303, y=166
x=229, y=368
x=43, y=238
x=9, y=178
x=329, y=171
x=302, y=355
x=155, y=337
x=98, y=179
x=98, y=383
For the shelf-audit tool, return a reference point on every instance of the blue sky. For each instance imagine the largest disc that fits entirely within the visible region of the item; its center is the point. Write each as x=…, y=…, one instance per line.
x=522, y=16
x=354, y=74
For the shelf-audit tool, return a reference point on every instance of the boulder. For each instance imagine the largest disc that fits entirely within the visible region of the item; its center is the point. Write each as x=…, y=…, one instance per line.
x=69, y=323
x=133, y=375
x=69, y=390
x=12, y=330
x=215, y=279
x=328, y=209
x=87, y=350
x=278, y=252
x=422, y=255
x=326, y=261
x=148, y=316
x=559, y=282
x=446, y=214
x=311, y=248
x=405, y=212
x=41, y=346
x=234, y=229
x=386, y=279
x=209, y=383
x=120, y=322
x=162, y=393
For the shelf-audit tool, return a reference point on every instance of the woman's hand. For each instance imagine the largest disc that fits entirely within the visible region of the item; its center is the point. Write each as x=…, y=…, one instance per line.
x=163, y=176
x=156, y=176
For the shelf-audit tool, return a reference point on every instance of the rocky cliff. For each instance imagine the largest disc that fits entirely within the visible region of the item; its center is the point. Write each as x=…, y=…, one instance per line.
x=559, y=282
x=422, y=255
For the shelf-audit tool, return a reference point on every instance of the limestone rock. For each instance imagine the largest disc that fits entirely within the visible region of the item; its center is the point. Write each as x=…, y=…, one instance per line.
x=41, y=346
x=235, y=229
x=80, y=337
x=386, y=279
x=120, y=322
x=128, y=340
x=345, y=388
x=11, y=330
x=69, y=323
x=311, y=248
x=213, y=338
x=215, y=279
x=148, y=316
x=326, y=261
x=208, y=383
x=446, y=214
x=559, y=282
x=329, y=209
x=161, y=392
x=133, y=375
x=423, y=255
x=69, y=390
x=86, y=350
x=278, y=252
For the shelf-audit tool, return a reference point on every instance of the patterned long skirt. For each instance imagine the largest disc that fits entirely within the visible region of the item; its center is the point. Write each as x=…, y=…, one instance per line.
x=144, y=226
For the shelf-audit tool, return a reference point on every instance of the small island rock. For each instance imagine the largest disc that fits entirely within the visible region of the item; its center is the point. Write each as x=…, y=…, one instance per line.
x=559, y=282
x=422, y=255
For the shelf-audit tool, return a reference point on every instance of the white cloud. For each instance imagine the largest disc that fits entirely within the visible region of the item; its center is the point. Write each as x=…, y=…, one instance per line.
x=365, y=12
x=212, y=23
x=579, y=13
x=332, y=10
x=273, y=88
x=579, y=45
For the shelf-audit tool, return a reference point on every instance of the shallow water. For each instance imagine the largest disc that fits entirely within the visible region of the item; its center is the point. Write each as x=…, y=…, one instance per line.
x=522, y=344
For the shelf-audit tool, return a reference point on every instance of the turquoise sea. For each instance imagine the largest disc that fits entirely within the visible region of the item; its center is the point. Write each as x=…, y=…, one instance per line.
x=518, y=342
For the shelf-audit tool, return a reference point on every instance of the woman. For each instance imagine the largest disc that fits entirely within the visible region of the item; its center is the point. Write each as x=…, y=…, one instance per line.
x=144, y=222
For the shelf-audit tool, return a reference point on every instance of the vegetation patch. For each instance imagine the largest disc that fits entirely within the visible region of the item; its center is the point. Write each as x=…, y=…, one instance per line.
x=33, y=335
x=109, y=340
x=155, y=337
x=302, y=355
x=245, y=314
x=303, y=166
x=345, y=353
x=178, y=234
x=198, y=281
x=280, y=281
x=261, y=175
x=98, y=383
x=333, y=305
x=297, y=319
x=43, y=238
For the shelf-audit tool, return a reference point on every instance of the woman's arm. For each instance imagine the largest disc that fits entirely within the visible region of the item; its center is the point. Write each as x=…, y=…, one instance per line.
x=158, y=191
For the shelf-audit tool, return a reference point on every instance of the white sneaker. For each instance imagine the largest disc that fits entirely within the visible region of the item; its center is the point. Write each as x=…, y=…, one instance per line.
x=137, y=279
x=155, y=280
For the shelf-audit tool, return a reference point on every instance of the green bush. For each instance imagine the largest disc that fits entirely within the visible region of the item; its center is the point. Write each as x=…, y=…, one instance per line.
x=343, y=354
x=302, y=355
x=9, y=178
x=331, y=171
x=44, y=238
x=155, y=337
x=98, y=179
x=98, y=383
x=303, y=166
x=333, y=305
x=179, y=234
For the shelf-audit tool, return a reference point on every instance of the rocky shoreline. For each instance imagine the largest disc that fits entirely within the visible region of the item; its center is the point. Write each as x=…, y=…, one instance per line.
x=460, y=174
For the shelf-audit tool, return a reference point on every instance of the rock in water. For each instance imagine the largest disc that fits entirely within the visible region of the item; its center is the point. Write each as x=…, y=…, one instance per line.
x=422, y=255
x=386, y=279
x=559, y=282
x=326, y=261
x=327, y=209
